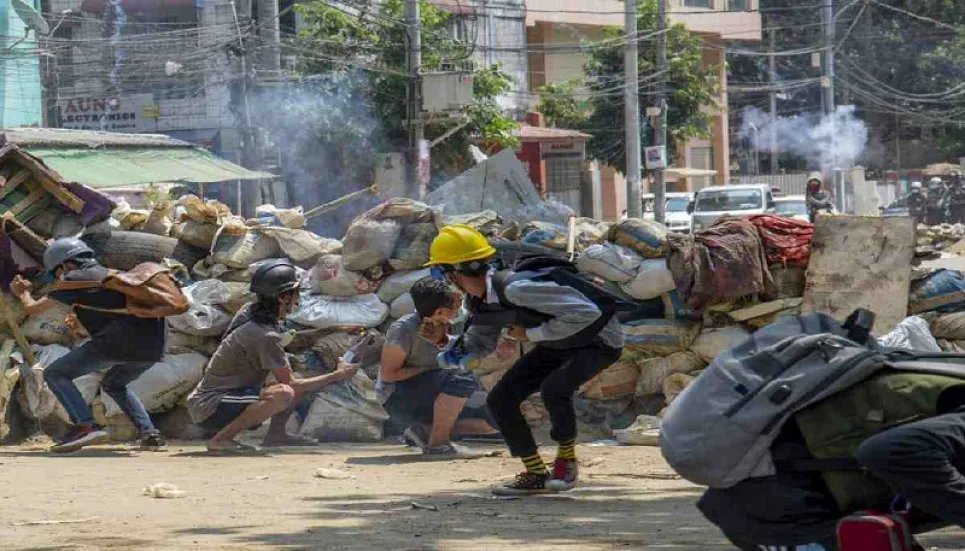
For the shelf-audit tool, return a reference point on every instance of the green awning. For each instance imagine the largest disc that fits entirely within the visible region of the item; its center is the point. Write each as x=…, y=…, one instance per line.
x=115, y=167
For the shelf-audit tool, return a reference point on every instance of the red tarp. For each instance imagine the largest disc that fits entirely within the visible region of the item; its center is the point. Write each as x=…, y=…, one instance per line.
x=786, y=241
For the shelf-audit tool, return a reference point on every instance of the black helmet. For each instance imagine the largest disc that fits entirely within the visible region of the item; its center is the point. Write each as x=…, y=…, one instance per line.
x=64, y=250
x=273, y=278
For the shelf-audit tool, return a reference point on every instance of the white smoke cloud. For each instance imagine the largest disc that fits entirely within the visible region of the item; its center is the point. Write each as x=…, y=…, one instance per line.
x=826, y=142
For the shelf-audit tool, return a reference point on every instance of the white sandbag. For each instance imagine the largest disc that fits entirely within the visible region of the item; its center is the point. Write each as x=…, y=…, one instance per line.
x=714, y=342
x=196, y=234
x=302, y=246
x=159, y=221
x=611, y=262
x=949, y=326
x=369, y=242
x=289, y=218
x=645, y=431
x=41, y=402
x=182, y=343
x=399, y=283
x=653, y=373
x=242, y=251
x=208, y=292
x=49, y=326
x=320, y=311
x=202, y=320
x=329, y=277
x=240, y=295
x=412, y=250
x=911, y=334
x=402, y=305
x=659, y=337
x=652, y=280
x=674, y=384
x=346, y=412
x=162, y=387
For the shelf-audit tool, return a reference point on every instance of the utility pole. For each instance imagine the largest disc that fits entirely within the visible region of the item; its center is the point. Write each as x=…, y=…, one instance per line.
x=829, y=107
x=660, y=186
x=775, y=165
x=631, y=111
x=269, y=28
x=413, y=23
x=245, y=196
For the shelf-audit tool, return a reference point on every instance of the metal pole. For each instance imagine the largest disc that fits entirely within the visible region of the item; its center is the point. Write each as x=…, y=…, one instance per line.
x=829, y=106
x=269, y=28
x=248, y=147
x=660, y=186
x=631, y=112
x=775, y=161
x=413, y=24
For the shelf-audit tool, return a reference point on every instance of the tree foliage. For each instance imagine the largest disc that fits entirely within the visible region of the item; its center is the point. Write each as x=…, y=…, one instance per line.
x=371, y=34
x=691, y=89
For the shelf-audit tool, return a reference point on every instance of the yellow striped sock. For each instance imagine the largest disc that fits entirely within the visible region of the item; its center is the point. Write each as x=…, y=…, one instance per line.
x=534, y=464
x=567, y=449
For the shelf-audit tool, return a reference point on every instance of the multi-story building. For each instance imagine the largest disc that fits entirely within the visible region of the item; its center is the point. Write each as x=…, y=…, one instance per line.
x=20, y=95
x=555, y=28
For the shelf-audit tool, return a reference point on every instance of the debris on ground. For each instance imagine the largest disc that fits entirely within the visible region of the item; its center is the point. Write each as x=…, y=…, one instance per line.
x=163, y=490
x=333, y=474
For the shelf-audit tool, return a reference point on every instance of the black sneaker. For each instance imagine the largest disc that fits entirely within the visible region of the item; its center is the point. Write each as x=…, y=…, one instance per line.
x=526, y=484
x=151, y=441
x=78, y=437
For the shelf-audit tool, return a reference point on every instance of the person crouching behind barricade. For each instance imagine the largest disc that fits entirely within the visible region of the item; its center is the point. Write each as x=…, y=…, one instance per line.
x=416, y=391
x=232, y=396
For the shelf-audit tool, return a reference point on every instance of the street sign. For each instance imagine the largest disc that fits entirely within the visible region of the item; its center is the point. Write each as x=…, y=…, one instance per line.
x=656, y=157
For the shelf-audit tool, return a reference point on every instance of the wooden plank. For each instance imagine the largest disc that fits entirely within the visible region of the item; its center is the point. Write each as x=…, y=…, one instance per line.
x=30, y=242
x=50, y=180
x=28, y=214
x=764, y=309
x=27, y=201
x=861, y=262
x=14, y=181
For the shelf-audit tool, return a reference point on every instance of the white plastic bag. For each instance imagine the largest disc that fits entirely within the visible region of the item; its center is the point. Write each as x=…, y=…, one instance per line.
x=402, y=305
x=320, y=311
x=201, y=320
x=369, y=242
x=714, y=342
x=346, y=412
x=611, y=262
x=645, y=431
x=652, y=280
x=302, y=246
x=161, y=387
x=911, y=334
x=209, y=291
x=399, y=283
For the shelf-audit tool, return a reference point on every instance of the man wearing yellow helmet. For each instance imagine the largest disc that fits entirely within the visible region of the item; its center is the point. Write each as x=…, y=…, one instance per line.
x=544, y=302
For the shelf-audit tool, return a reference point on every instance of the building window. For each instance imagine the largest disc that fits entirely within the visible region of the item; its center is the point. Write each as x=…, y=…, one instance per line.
x=708, y=4
x=738, y=5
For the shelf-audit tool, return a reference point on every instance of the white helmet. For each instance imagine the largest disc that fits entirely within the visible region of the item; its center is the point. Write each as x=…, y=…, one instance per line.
x=916, y=185
x=935, y=180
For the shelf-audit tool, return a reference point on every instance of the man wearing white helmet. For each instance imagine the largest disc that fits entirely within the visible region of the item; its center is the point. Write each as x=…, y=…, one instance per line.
x=933, y=206
x=916, y=203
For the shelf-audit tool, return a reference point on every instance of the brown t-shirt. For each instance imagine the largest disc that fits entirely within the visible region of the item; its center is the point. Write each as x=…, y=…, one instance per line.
x=243, y=360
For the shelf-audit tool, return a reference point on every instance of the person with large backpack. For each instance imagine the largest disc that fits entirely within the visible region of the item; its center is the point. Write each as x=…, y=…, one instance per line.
x=232, y=396
x=543, y=301
x=811, y=437
x=124, y=315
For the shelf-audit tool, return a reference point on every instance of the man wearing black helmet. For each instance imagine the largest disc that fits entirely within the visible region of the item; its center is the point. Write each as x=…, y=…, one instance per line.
x=122, y=345
x=232, y=396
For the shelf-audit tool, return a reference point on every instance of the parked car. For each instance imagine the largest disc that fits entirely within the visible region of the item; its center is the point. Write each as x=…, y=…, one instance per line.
x=737, y=200
x=678, y=217
x=898, y=207
x=792, y=206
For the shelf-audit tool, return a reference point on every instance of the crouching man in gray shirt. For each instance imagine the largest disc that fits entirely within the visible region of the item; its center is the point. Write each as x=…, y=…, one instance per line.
x=231, y=396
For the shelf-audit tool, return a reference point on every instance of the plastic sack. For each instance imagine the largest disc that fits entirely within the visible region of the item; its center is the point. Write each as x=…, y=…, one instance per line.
x=616, y=381
x=209, y=291
x=240, y=295
x=162, y=387
x=127, y=217
x=402, y=305
x=320, y=311
x=302, y=246
x=674, y=384
x=329, y=348
x=202, y=320
x=949, y=326
x=911, y=334
x=412, y=250
x=399, y=283
x=194, y=233
x=329, y=277
x=545, y=234
x=159, y=221
x=940, y=291
x=645, y=237
x=288, y=218
x=652, y=280
x=40, y=401
x=49, y=326
x=183, y=343
x=346, y=412
x=487, y=222
x=645, y=431
x=659, y=337
x=611, y=262
x=654, y=372
x=369, y=242
x=714, y=342
x=242, y=251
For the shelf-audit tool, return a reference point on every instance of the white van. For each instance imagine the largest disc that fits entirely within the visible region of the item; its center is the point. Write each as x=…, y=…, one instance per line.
x=678, y=217
x=738, y=200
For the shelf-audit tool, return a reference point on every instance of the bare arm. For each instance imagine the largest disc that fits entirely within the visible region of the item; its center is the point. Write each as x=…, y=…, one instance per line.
x=310, y=384
x=21, y=288
x=393, y=367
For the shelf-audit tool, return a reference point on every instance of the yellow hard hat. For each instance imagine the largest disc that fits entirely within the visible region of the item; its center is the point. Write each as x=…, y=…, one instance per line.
x=457, y=244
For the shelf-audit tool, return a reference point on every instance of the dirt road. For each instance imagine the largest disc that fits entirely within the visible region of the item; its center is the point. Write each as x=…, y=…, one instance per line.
x=629, y=499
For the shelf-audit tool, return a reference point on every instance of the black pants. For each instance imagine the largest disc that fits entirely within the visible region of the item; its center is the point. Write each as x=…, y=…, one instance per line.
x=557, y=374
x=922, y=461
x=957, y=214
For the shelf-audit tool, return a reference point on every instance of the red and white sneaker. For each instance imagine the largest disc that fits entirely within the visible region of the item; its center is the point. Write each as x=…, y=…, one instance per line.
x=78, y=437
x=566, y=473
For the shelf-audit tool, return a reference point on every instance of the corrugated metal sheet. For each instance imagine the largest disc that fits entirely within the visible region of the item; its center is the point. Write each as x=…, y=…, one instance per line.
x=106, y=168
